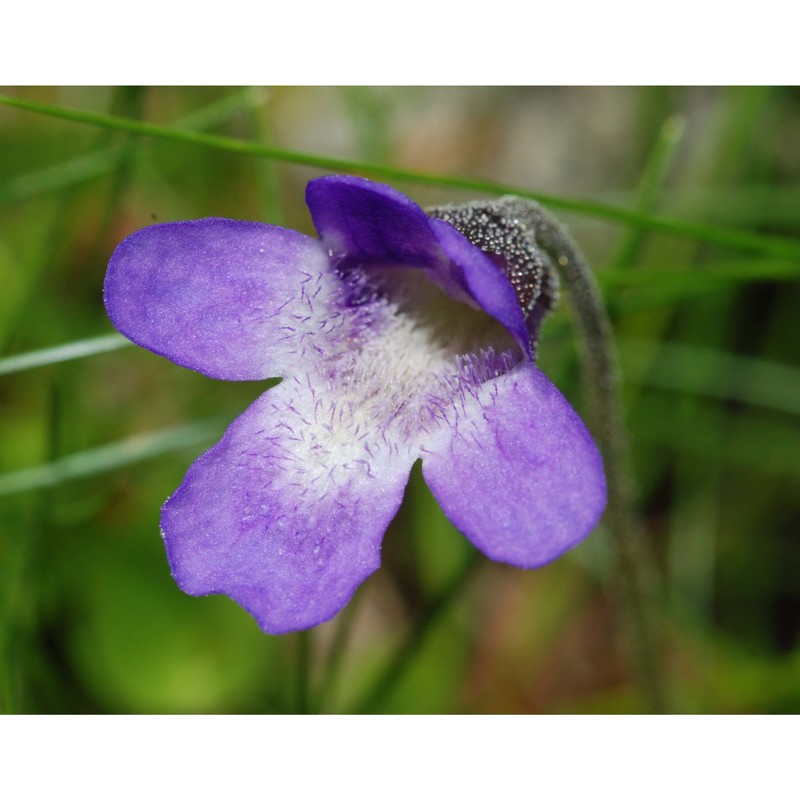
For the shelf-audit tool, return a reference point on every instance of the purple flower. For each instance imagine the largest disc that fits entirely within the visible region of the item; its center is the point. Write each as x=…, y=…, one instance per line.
x=397, y=338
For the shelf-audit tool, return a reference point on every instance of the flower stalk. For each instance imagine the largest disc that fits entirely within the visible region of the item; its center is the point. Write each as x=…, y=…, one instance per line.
x=634, y=575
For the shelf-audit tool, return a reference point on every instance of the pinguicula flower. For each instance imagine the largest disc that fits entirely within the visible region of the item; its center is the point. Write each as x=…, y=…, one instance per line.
x=399, y=335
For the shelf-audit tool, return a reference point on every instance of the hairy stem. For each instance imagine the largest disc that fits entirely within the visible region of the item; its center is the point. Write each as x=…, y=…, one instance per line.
x=634, y=574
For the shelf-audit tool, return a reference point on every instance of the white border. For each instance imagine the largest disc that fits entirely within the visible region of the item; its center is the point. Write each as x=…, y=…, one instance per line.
x=413, y=42
x=399, y=757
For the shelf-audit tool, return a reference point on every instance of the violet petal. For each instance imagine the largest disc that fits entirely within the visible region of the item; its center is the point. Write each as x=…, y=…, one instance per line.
x=370, y=223
x=520, y=476
x=223, y=297
x=286, y=513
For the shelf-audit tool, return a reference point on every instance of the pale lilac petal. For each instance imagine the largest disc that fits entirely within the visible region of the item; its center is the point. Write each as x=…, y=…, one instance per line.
x=287, y=512
x=520, y=475
x=223, y=297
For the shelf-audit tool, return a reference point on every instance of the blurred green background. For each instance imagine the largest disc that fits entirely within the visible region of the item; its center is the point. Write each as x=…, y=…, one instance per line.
x=97, y=434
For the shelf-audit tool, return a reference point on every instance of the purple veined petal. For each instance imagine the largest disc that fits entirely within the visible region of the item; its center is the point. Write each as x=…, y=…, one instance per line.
x=287, y=512
x=370, y=222
x=233, y=300
x=519, y=475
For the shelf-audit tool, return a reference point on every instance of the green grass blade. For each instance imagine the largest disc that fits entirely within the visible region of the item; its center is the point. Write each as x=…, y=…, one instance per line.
x=65, y=352
x=110, y=457
x=649, y=287
x=396, y=668
x=101, y=162
x=266, y=174
x=711, y=373
x=729, y=237
x=655, y=173
x=720, y=274
x=754, y=442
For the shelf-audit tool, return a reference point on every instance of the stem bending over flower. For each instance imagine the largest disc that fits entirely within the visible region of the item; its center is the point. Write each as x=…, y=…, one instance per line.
x=600, y=366
x=529, y=243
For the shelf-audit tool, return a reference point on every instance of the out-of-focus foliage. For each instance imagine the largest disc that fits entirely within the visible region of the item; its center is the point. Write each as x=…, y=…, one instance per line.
x=90, y=620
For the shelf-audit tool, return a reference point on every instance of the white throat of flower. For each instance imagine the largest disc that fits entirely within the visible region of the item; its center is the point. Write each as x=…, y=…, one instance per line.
x=406, y=367
x=406, y=364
